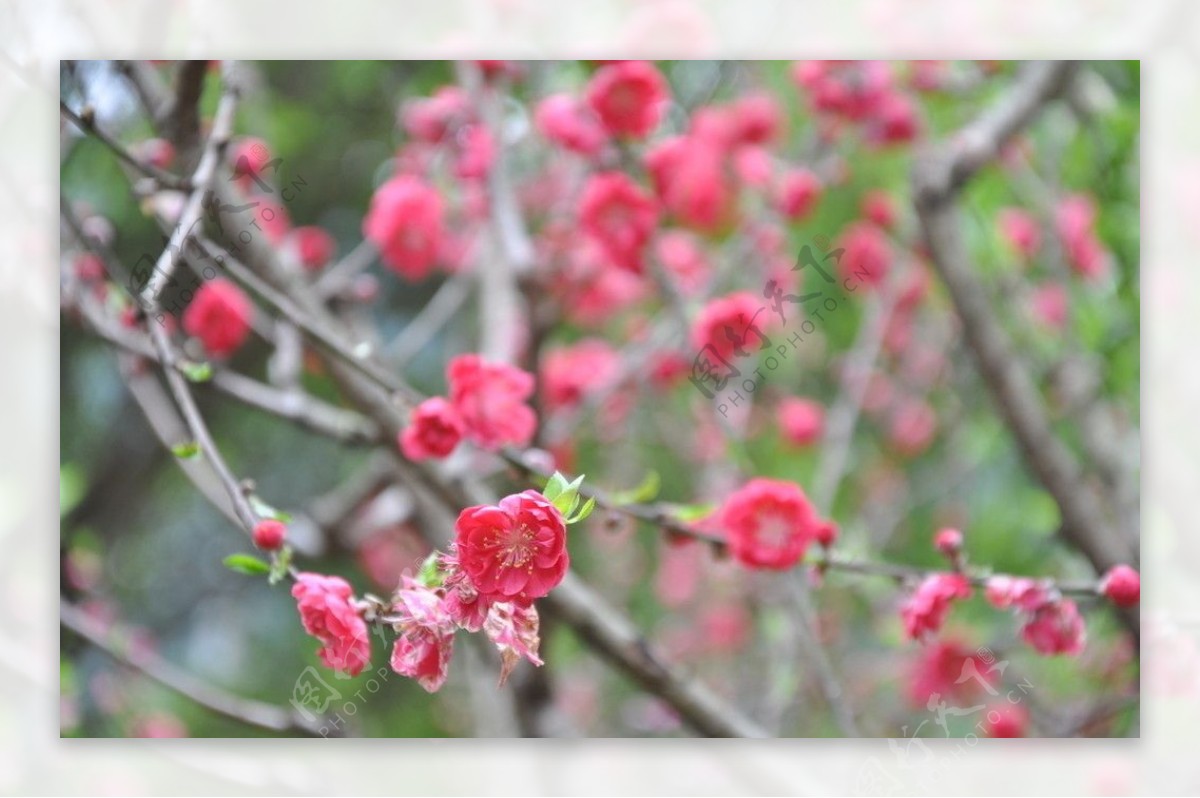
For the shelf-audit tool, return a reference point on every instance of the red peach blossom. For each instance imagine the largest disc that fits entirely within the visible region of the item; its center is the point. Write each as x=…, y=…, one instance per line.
x=1122, y=586
x=1006, y=719
x=269, y=534
x=425, y=643
x=313, y=246
x=768, y=523
x=491, y=401
x=728, y=323
x=1020, y=231
x=516, y=551
x=219, y=316
x=405, y=223
x=1055, y=628
x=925, y=610
x=570, y=373
x=866, y=256
x=619, y=216
x=565, y=121
x=802, y=421
x=328, y=614
x=630, y=97
x=798, y=192
x=433, y=431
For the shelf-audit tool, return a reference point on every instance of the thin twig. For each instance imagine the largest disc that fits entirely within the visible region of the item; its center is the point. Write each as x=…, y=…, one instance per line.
x=259, y=714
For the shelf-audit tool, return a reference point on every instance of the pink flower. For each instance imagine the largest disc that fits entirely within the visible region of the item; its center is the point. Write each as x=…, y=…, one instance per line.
x=867, y=256
x=425, y=643
x=799, y=190
x=219, y=316
x=514, y=630
x=570, y=373
x=619, y=216
x=429, y=119
x=491, y=401
x=565, y=121
x=802, y=421
x=1020, y=230
x=405, y=223
x=1055, y=628
x=768, y=523
x=895, y=122
x=948, y=541
x=250, y=156
x=879, y=208
x=683, y=259
x=727, y=323
x=1050, y=305
x=1020, y=592
x=313, y=246
x=691, y=180
x=752, y=165
x=938, y=668
x=475, y=150
x=1122, y=586
x=912, y=427
x=756, y=119
x=1006, y=719
x=269, y=534
x=434, y=430
x=516, y=551
x=327, y=612
x=630, y=97
x=925, y=610
x=1075, y=220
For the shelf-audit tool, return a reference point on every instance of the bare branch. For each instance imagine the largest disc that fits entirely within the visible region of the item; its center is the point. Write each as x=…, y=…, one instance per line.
x=244, y=710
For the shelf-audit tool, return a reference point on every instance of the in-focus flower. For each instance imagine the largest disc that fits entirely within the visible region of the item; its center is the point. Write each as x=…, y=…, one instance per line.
x=434, y=430
x=1122, y=586
x=516, y=551
x=405, y=223
x=802, y=421
x=425, y=643
x=768, y=523
x=219, y=316
x=925, y=610
x=619, y=216
x=630, y=97
x=491, y=401
x=328, y=614
x=1056, y=628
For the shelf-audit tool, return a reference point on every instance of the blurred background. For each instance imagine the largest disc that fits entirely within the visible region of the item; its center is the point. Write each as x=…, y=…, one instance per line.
x=142, y=550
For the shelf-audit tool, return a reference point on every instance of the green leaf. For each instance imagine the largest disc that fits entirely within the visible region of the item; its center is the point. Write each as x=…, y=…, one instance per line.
x=246, y=564
x=431, y=574
x=644, y=492
x=264, y=510
x=280, y=565
x=584, y=511
x=186, y=451
x=196, y=372
x=555, y=486
x=72, y=486
x=688, y=513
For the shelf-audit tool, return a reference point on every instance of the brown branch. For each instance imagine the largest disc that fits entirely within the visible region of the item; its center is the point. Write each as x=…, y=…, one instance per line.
x=937, y=178
x=88, y=126
x=244, y=710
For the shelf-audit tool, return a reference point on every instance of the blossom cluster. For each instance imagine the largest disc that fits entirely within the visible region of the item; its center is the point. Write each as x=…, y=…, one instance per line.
x=503, y=558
